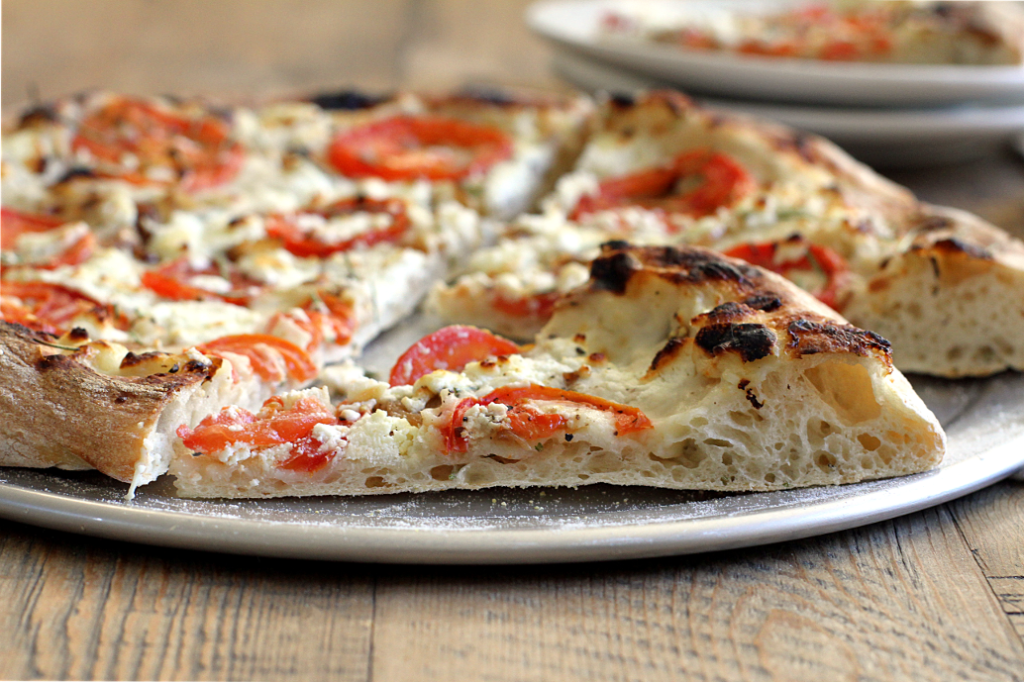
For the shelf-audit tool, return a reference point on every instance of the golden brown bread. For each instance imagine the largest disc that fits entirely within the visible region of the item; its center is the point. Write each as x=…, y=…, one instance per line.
x=59, y=411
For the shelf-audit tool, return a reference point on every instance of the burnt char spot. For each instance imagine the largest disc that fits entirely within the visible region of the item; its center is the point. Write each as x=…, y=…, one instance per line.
x=612, y=273
x=38, y=115
x=53, y=362
x=195, y=366
x=752, y=341
x=808, y=338
x=612, y=270
x=700, y=265
x=77, y=173
x=615, y=245
x=621, y=99
x=728, y=312
x=934, y=222
x=800, y=143
x=77, y=335
x=765, y=303
x=667, y=353
x=487, y=95
x=703, y=266
x=346, y=100
x=954, y=245
x=132, y=360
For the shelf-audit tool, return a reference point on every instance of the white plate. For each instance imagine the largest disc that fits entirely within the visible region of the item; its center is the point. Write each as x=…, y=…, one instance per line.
x=573, y=24
x=984, y=420
x=881, y=137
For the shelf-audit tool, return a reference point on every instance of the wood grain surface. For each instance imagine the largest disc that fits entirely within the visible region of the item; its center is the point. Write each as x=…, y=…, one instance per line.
x=937, y=595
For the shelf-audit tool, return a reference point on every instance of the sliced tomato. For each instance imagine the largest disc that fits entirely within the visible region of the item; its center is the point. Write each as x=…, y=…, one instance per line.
x=324, y=313
x=46, y=307
x=135, y=140
x=328, y=311
x=264, y=351
x=696, y=183
x=816, y=258
x=696, y=39
x=411, y=148
x=450, y=348
x=307, y=456
x=529, y=423
x=171, y=281
x=76, y=254
x=535, y=307
x=13, y=224
x=303, y=321
x=273, y=426
x=839, y=50
x=303, y=244
x=778, y=49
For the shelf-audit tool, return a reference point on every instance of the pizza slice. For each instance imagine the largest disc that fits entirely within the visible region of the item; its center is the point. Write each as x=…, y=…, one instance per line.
x=661, y=170
x=72, y=402
x=670, y=367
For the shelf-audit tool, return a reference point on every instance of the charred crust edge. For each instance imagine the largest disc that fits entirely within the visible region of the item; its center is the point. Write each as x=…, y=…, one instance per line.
x=808, y=337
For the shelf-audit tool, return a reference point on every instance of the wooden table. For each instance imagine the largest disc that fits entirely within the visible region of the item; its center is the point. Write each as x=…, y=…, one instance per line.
x=938, y=595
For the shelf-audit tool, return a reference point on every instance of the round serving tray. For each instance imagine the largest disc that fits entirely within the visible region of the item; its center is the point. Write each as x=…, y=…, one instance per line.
x=984, y=420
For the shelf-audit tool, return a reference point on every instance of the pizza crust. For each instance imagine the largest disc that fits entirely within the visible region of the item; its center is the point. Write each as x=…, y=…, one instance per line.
x=65, y=407
x=60, y=412
x=951, y=302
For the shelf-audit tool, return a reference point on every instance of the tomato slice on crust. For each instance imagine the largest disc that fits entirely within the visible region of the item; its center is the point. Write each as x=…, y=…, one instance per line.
x=305, y=243
x=46, y=307
x=144, y=144
x=411, y=148
x=264, y=351
x=173, y=281
x=273, y=426
x=696, y=183
x=816, y=259
x=450, y=348
x=531, y=424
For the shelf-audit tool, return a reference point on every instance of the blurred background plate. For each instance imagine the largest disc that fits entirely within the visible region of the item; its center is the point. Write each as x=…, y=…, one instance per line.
x=574, y=24
x=881, y=137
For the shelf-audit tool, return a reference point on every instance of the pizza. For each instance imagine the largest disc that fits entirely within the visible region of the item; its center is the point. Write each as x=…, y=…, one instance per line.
x=887, y=31
x=941, y=285
x=639, y=292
